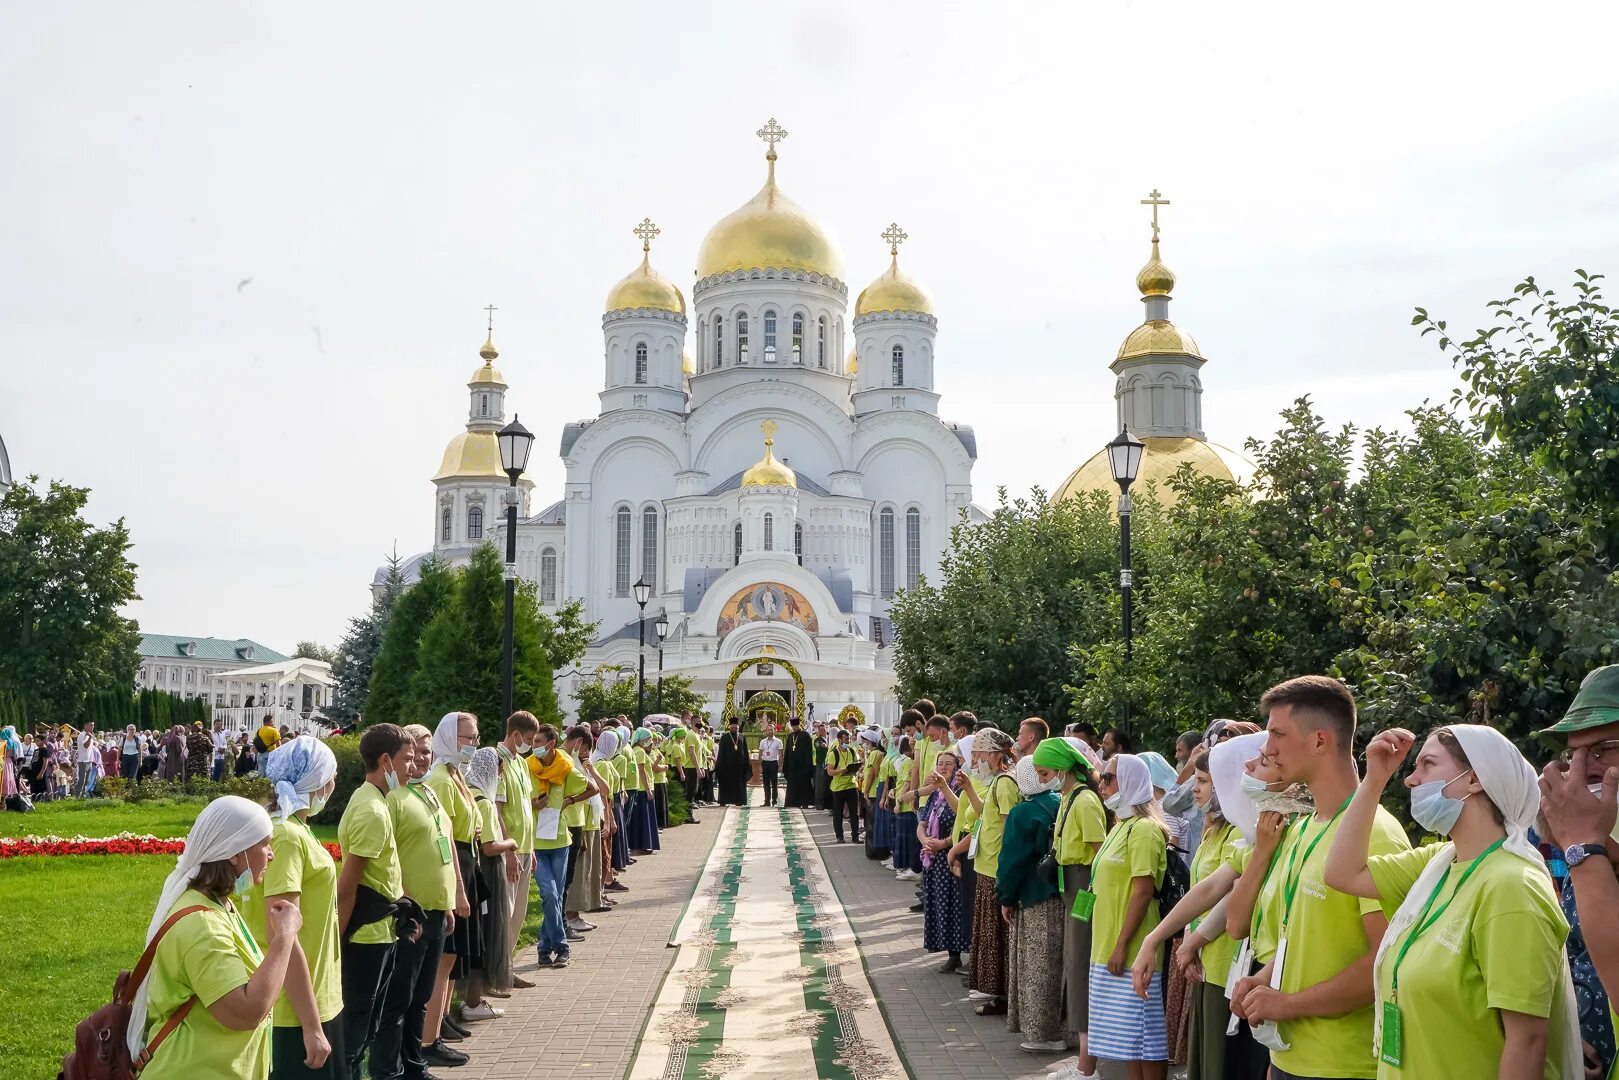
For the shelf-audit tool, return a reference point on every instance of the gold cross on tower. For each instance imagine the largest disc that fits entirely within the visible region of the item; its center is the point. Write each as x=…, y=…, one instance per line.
x=769, y=428
x=895, y=236
x=491, y=309
x=647, y=232
x=772, y=133
x=1153, y=200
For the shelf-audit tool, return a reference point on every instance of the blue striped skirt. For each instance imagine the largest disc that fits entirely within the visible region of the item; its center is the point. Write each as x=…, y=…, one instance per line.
x=1122, y=1026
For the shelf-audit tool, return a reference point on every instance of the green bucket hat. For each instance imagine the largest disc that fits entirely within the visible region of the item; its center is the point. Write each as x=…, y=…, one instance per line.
x=1596, y=705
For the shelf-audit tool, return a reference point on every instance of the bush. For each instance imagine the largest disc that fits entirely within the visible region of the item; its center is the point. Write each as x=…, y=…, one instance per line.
x=679, y=808
x=255, y=788
x=112, y=787
x=350, y=775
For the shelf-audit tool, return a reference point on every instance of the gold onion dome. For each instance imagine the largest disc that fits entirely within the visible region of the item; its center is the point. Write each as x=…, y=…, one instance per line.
x=1155, y=279
x=1161, y=460
x=644, y=287
x=488, y=374
x=893, y=291
x=769, y=231
x=1157, y=336
x=767, y=471
x=471, y=454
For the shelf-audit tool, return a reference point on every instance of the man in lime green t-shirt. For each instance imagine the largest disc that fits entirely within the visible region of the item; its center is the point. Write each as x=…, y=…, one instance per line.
x=842, y=763
x=514, y=795
x=551, y=842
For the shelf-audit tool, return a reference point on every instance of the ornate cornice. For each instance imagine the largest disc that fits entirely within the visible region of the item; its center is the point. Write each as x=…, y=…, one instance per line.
x=896, y=316
x=659, y=314
x=768, y=273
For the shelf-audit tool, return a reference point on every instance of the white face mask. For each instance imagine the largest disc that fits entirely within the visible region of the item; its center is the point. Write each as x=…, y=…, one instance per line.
x=317, y=803
x=1112, y=802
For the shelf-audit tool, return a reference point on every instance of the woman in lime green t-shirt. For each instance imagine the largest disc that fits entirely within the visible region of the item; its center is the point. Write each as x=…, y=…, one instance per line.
x=992, y=762
x=1472, y=976
x=211, y=956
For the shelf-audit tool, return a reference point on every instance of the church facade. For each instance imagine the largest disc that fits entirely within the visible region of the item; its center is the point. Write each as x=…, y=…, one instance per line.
x=767, y=457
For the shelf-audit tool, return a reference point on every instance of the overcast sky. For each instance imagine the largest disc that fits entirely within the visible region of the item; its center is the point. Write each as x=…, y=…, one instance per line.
x=245, y=247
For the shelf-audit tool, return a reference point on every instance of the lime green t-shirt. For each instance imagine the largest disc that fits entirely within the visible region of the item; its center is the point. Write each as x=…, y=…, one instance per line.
x=426, y=857
x=209, y=954
x=1498, y=945
x=660, y=767
x=674, y=753
x=629, y=765
x=575, y=816
x=904, y=804
x=555, y=797
x=1212, y=853
x=1136, y=847
x=455, y=800
x=1000, y=795
x=966, y=816
x=367, y=830
x=1325, y=935
x=300, y=865
x=838, y=759
x=1084, y=822
x=609, y=774
x=927, y=759
x=872, y=772
x=514, y=791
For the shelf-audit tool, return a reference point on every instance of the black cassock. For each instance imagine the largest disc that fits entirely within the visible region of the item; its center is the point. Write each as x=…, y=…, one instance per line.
x=731, y=768
x=800, y=769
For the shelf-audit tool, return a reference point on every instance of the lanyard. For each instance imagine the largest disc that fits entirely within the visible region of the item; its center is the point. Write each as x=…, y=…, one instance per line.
x=1107, y=845
x=1425, y=920
x=430, y=801
x=1270, y=868
x=1290, y=883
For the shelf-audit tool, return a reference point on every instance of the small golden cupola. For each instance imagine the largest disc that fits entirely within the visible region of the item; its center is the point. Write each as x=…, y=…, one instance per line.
x=644, y=287
x=767, y=471
x=893, y=291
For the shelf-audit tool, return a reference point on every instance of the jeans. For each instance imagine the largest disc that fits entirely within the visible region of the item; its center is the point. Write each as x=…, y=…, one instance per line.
x=550, y=874
x=768, y=772
x=397, y=1049
x=129, y=765
x=365, y=986
x=847, y=799
x=219, y=770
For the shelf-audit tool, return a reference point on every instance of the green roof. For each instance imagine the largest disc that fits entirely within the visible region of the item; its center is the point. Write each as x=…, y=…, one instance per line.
x=173, y=646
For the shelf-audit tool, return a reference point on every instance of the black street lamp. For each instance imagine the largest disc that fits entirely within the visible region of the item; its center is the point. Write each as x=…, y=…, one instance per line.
x=1124, y=458
x=643, y=592
x=661, y=628
x=515, y=443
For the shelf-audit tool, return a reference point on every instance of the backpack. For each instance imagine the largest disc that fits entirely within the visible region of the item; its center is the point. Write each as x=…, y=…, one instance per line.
x=1177, y=880
x=101, y=1041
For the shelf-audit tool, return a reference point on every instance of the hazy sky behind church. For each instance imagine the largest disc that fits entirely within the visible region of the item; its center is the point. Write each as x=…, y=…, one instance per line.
x=246, y=247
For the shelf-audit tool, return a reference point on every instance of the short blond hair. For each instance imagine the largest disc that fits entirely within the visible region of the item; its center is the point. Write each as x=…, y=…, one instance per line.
x=416, y=732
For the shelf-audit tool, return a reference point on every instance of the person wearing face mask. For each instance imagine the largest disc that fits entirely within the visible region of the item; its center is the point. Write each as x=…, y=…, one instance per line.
x=1031, y=906
x=514, y=797
x=306, y=1039
x=455, y=740
x=1471, y=976
x=992, y=761
x=207, y=999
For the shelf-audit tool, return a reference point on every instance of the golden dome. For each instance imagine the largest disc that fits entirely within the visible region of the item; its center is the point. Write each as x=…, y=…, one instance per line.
x=688, y=366
x=1155, y=279
x=768, y=231
x=1162, y=458
x=767, y=471
x=1157, y=336
x=893, y=292
x=644, y=287
x=852, y=364
x=472, y=454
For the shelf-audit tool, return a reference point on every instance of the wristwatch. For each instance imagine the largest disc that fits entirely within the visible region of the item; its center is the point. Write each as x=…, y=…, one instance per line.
x=1575, y=854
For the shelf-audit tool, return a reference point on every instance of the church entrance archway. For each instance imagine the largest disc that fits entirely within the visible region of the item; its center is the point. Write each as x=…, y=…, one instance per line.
x=731, y=704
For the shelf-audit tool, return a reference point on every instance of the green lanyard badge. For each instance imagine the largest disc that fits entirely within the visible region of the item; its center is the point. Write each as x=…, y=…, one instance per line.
x=445, y=851
x=1290, y=882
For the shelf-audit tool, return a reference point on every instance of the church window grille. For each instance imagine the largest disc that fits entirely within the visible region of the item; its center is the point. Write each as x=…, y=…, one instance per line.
x=621, y=559
x=649, y=547
x=899, y=365
x=820, y=342
x=483, y=405
x=798, y=338
x=742, y=339
x=736, y=544
x=719, y=341
x=444, y=526
x=770, y=337
x=798, y=542
x=885, y=551
x=640, y=364
x=475, y=523
x=913, y=548
x=770, y=532
x=548, y=576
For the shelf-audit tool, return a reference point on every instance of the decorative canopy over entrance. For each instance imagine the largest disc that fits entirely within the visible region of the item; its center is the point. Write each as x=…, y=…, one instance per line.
x=766, y=699
x=754, y=702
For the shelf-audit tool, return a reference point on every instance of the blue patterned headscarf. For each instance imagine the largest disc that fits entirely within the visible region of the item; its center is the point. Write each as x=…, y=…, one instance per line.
x=296, y=768
x=8, y=735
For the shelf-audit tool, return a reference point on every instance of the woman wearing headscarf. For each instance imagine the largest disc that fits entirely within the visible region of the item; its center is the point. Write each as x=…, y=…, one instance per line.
x=618, y=842
x=646, y=804
x=1032, y=908
x=10, y=751
x=992, y=761
x=1124, y=879
x=1177, y=992
x=873, y=785
x=1080, y=830
x=306, y=1038
x=209, y=954
x=903, y=799
x=482, y=774
x=454, y=741
x=1471, y=976
x=942, y=927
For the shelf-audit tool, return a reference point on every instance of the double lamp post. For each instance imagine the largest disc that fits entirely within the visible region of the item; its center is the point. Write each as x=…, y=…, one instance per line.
x=643, y=593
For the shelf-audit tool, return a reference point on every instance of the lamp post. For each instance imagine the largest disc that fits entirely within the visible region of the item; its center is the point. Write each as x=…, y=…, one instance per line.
x=515, y=443
x=1124, y=458
x=661, y=628
x=643, y=592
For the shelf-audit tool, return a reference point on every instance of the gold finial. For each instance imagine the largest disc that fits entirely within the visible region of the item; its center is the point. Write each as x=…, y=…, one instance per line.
x=1153, y=200
x=647, y=232
x=895, y=236
x=769, y=428
x=488, y=351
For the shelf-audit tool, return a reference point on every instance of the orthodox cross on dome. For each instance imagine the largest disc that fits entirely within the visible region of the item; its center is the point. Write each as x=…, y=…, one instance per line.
x=895, y=236
x=1155, y=201
x=488, y=351
x=491, y=309
x=647, y=232
x=772, y=133
x=769, y=428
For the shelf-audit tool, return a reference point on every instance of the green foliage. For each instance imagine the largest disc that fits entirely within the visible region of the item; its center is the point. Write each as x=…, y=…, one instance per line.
x=358, y=651
x=256, y=788
x=350, y=775
x=314, y=650
x=63, y=584
x=613, y=694
x=679, y=808
x=396, y=662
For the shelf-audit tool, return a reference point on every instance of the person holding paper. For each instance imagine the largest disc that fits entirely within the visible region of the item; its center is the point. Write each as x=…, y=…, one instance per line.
x=551, y=842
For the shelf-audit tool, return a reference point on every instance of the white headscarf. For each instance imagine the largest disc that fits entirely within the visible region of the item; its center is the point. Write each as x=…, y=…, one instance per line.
x=965, y=749
x=226, y=827
x=1135, y=783
x=1511, y=784
x=1028, y=781
x=606, y=745
x=298, y=767
x=873, y=735
x=1226, y=763
x=484, y=770
x=447, y=739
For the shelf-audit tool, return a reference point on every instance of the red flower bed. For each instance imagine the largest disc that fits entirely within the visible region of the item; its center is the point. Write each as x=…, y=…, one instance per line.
x=122, y=844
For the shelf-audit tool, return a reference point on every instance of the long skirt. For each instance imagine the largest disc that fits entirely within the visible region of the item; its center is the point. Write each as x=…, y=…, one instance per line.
x=465, y=942
x=880, y=827
x=497, y=950
x=649, y=813
x=1034, y=971
x=1177, y=1001
x=661, y=790
x=907, y=848
x=1076, y=956
x=1211, y=1053
x=585, y=891
x=823, y=789
x=943, y=929
x=989, y=941
x=621, y=835
x=1123, y=1026
x=969, y=897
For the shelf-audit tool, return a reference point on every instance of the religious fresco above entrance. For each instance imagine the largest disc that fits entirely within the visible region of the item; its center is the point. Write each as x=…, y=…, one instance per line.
x=768, y=602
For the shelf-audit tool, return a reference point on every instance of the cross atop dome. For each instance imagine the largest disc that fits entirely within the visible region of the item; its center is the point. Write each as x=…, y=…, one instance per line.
x=894, y=236
x=1155, y=201
x=488, y=351
x=646, y=232
x=772, y=133
x=769, y=428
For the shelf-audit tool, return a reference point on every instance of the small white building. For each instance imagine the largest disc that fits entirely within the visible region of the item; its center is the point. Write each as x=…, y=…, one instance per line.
x=189, y=667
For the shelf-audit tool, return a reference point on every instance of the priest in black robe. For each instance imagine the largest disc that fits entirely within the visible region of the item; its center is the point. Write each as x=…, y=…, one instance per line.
x=799, y=765
x=823, y=782
x=732, y=767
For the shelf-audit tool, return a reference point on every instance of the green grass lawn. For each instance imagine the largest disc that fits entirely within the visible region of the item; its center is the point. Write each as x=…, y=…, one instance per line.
x=108, y=817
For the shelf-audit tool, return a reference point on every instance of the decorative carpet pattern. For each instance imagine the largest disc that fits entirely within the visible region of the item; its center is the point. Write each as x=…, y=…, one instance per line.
x=769, y=980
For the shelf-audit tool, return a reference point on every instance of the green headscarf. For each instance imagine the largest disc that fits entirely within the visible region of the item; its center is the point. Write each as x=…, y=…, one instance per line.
x=1061, y=754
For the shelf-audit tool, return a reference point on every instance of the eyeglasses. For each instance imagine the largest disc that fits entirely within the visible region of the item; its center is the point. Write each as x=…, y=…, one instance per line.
x=1608, y=750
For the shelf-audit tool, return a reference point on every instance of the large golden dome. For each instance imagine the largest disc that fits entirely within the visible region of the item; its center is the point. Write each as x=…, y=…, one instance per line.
x=893, y=292
x=1161, y=460
x=768, y=231
x=474, y=454
x=644, y=287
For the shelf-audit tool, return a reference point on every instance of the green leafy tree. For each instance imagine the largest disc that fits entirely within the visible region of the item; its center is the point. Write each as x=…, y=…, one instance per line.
x=314, y=650
x=63, y=583
x=396, y=661
x=612, y=693
x=358, y=651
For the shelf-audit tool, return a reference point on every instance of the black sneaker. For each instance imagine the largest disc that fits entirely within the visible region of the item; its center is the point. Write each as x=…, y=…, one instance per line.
x=561, y=961
x=454, y=1025
x=546, y=960
x=439, y=1054
x=448, y=1033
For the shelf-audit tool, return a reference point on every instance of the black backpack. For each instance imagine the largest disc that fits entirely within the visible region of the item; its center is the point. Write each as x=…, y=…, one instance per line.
x=1177, y=879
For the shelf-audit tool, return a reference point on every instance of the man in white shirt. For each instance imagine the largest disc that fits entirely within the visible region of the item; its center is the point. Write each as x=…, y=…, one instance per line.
x=770, y=764
x=85, y=760
x=221, y=740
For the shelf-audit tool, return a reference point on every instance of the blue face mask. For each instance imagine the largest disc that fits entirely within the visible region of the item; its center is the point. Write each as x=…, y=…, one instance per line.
x=391, y=778
x=1433, y=809
x=244, y=882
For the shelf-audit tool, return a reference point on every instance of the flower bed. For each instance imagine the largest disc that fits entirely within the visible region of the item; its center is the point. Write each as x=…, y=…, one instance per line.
x=121, y=844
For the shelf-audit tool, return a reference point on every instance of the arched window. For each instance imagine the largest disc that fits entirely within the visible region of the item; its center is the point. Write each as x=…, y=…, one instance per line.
x=770, y=532
x=913, y=548
x=640, y=364
x=820, y=342
x=899, y=365
x=444, y=525
x=798, y=541
x=770, y=337
x=649, y=547
x=548, y=576
x=798, y=338
x=742, y=339
x=719, y=341
x=885, y=551
x=621, y=555
x=736, y=555
x=483, y=404
x=475, y=523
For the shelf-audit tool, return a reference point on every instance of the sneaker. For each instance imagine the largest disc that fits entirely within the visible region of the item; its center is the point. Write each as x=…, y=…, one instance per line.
x=979, y=995
x=616, y=886
x=438, y=1054
x=573, y=935
x=580, y=925
x=546, y=960
x=523, y=984
x=454, y=1031
x=471, y=1014
x=561, y=961
x=490, y=991
x=1036, y=1046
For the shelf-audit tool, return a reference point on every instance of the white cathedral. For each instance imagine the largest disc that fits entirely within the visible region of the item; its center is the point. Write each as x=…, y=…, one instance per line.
x=773, y=465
